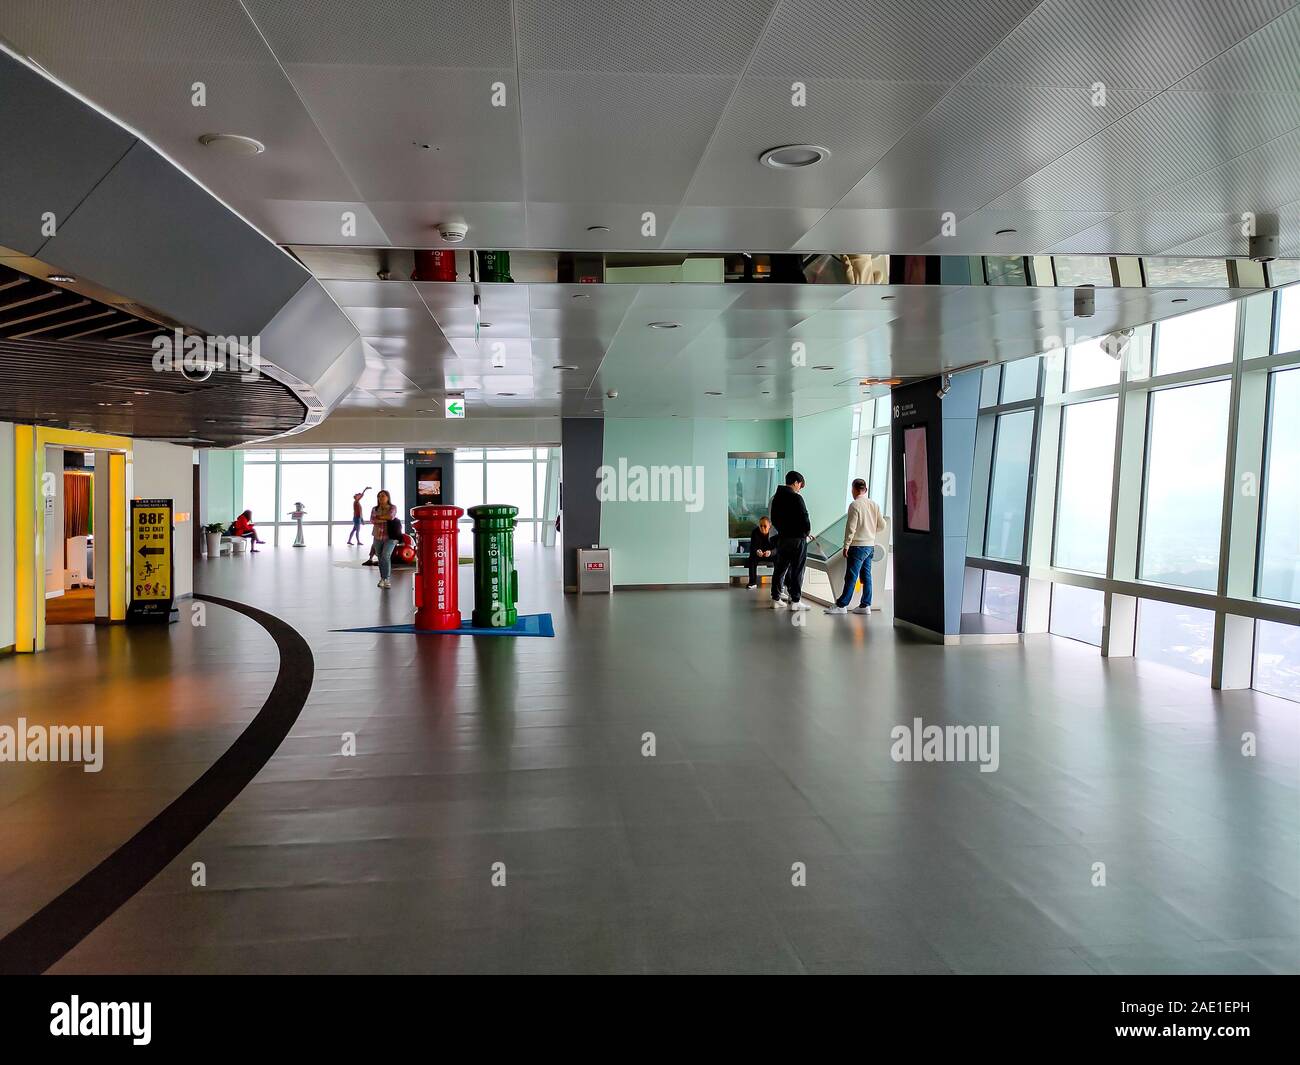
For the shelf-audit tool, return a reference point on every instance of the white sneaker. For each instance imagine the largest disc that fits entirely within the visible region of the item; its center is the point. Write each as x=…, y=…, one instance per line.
x=778, y=604
x=862, y=610
x=785, y=597
x=800, y=605
x=385, y=584
x=751, y=587
x=837, y=610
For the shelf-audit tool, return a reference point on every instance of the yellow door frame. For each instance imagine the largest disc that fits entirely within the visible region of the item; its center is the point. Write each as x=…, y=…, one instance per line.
x=29, y=525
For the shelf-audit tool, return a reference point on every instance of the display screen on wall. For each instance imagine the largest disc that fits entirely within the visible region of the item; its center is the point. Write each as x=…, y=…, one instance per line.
x=916, y=480
x=428, y=484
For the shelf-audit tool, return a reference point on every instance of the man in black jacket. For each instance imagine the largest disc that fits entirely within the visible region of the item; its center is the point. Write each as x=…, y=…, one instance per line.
x=762, y=546
x=790, y=516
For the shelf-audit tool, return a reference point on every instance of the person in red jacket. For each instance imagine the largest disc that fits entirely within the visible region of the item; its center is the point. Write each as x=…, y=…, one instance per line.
x=243, y=526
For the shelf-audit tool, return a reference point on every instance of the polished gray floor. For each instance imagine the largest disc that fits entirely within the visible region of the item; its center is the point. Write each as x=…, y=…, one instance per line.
x=772, y=748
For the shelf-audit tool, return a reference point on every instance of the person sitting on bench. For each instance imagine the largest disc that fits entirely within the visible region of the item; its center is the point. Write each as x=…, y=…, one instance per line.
x=243, y=526
x=762, y=548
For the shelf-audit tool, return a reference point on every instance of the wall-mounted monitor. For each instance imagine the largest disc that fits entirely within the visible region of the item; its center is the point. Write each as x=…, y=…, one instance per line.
x=916, y=478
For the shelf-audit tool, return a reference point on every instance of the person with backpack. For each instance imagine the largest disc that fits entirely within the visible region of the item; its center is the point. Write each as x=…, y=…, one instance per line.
x=386, y=528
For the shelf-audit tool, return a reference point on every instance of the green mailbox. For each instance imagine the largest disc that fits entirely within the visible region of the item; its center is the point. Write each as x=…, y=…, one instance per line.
x=496, y=584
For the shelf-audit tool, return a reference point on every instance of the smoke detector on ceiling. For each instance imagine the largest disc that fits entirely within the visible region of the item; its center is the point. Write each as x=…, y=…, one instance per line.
x=452, y=232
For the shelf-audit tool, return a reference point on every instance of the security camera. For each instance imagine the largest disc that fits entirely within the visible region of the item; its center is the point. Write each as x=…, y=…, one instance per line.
x=612, y=394
x=1116, y=343
x=1263, y=247
x=945, y=385
x=452, y=232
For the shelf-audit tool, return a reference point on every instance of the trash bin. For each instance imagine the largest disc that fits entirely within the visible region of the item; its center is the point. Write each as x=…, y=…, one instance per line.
x=437, y=587
x=594, y=574
x=496, y=584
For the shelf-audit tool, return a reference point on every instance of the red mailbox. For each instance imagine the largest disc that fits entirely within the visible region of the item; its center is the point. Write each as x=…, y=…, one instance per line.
x=437, y=594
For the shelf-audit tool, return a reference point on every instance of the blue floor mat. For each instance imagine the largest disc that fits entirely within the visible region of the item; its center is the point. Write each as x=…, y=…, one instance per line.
x=527, y=625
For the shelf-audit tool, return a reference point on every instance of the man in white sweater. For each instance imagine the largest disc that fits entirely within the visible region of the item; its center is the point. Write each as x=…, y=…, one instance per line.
x=860, y=531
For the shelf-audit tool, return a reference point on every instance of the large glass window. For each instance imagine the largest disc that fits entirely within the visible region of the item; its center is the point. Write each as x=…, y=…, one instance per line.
x=1089, y=366
x=1077, y=613
x=1192, y=341
x=350, y=478
x=1277, y=659
x=1177, y=636
x=306, y=483
x=878, y=481
x=1008, y=493
x=512, y=483
x=1187, y=439
x=1287, y=335
x=1084, y=489
x=1279, y=550
x=259, y=491
x=1020, y=380
x=469, y=483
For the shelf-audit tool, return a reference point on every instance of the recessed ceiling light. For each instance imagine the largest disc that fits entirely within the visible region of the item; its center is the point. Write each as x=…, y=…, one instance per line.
x=1003, y=232
x=582, y=295
x=598, y=229
x=767, y=393
x=232, y=143
x=424, y=146
x=823, y=367
x=507, y=393
x=1180, y=299
x=793, y=156
x=886, y=297
x=61, y=279
x=760, y=366
x=664, y=325
x=563, y=367
x=138, y=392
x=485, y=325
x=713, y=393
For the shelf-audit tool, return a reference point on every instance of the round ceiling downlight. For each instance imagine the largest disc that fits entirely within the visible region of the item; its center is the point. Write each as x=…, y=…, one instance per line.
x=794, y=156
x=61, y=279
x=664, y=325
x=232, y=143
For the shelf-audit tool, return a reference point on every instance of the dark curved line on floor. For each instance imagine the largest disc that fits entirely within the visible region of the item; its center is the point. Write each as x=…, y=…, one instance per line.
x=61, y=924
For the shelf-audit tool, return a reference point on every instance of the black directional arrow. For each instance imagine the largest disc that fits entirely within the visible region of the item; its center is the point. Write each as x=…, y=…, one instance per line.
x=146, y=551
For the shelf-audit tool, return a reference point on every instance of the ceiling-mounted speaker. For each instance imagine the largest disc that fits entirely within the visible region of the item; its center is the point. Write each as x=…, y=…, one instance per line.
x=1085, y=301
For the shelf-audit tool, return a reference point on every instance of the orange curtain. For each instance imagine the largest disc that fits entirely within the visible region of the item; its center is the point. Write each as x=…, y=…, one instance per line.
x=77, y=503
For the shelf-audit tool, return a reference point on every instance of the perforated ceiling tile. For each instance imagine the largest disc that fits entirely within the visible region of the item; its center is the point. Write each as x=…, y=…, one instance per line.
x=1259, y=180
x=872, y=232
x=908, y=40
x=415, y=225
x=600, y=138
x=857, y=121
x=756, y=228
x=1167, y=140
x=374, y=294
x=1120, y=43
x=323, y=222
x=68, y=35
x=981, y=141
x=980, y=233
x=1266, y=61
x=631, y=36
x=396, y=146
x=438, y=33
x=1138, y=233
x=565, y=226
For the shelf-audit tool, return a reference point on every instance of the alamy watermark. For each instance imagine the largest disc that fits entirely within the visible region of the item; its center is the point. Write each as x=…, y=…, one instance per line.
x=651, y=484
x=198, y=357
x=919, y=742
x=53, y=743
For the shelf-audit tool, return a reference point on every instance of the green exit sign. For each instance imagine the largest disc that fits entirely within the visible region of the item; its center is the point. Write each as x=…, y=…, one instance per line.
x=455, y=408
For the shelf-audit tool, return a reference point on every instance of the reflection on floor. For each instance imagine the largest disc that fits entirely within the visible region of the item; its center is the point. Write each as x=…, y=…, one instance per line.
x=523, y=763
x=76, y=606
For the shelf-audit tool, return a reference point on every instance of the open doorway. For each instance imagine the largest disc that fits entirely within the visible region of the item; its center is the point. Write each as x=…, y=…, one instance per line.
x=71, y=518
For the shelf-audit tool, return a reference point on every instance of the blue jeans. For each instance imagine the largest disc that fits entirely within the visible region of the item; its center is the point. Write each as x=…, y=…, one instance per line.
x=859, y=563
x=386, y=559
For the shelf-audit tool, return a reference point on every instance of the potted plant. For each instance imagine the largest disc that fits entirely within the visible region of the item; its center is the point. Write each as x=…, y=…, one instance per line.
x=214, y=531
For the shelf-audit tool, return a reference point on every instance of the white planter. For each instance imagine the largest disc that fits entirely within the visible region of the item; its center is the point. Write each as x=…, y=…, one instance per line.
x=214, y=544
